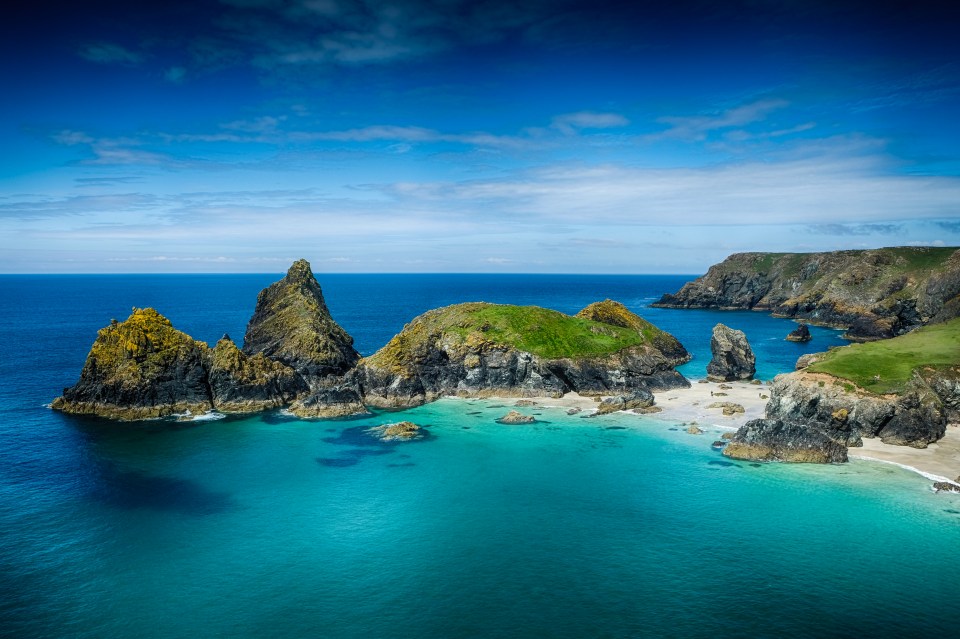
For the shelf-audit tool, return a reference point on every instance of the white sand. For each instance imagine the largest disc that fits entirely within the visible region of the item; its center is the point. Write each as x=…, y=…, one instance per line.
x=939, y=461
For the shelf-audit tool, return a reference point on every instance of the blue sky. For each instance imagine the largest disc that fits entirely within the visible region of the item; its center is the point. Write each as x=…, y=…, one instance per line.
x=451, y=136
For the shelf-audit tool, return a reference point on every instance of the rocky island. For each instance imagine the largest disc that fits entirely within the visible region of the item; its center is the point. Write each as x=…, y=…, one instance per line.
x=481, y=350
x=296, y=356
x=874, y=294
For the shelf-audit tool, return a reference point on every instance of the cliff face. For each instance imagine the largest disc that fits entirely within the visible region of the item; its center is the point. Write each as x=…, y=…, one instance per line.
x=873, y=293
x=143, y=367
x=482, y=349
x=140, y=368
x=292, y=325
x=240, y=383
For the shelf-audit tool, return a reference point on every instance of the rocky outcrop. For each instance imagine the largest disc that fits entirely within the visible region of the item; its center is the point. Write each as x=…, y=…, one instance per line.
x=733, y=358
x=330, y=401
x=292, y=325
x=138, y=369
x=616, y=314
x=480, y=350
x=778, y=440
x=400, y=431
x=728, y=408
x=241, y=384
x=516, y=417
x=873, y=293
x=847, y=413
x=800, y=334
x=640, y=398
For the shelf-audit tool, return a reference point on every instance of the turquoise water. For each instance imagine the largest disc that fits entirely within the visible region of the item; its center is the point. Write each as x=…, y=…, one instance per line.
x=271, y=526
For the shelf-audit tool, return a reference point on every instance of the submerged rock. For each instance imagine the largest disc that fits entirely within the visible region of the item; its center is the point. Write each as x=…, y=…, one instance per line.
x=639, y=399
x=776, y=440
x=799, y=334
x=140, y=368
x=292, y=325
x=400, y=431
x=733, y=358
x=694, y=430
x=515, y=417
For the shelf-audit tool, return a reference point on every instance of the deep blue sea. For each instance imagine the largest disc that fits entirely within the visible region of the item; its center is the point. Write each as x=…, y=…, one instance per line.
x=267, y=526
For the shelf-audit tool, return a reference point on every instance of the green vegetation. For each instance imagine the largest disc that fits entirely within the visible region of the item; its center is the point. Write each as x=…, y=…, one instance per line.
x=887, y=366
x=540, y=331
x=921, y=258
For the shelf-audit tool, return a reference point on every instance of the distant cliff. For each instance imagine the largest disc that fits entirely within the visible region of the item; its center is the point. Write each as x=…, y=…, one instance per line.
x=480, y=349
x=874, y=294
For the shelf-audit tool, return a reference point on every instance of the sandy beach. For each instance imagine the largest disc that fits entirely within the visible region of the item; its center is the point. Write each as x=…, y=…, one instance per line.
x=938, y=462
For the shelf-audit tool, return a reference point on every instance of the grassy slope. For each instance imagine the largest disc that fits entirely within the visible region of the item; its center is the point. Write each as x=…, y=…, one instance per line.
x=894, y=360
x=543, y=332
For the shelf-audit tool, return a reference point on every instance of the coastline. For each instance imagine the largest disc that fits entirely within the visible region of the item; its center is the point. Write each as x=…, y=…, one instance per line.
x=939, y=461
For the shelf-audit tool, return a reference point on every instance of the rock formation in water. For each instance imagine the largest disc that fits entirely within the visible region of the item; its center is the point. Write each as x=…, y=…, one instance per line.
x=138, y=369
x=777, y=440
x=400, y=431
x=242, y=384
x=292, y=325
x=733, y=358
x=800, y=334
x=874, y=294
x=480, y=349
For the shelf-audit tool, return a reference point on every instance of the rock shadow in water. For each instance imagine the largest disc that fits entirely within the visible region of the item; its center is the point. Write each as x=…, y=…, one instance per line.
x=362, y=444
x=350, y=457
x=133, y=489
x=724, y=464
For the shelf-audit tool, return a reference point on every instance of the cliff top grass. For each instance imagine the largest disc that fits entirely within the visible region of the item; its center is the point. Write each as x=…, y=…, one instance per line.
x=540, y=331
x=887, y=366
x=904, y=259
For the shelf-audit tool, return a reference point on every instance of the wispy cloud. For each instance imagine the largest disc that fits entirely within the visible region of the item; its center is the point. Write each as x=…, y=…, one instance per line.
x=571, y=123
x=110, y=53
x=856, y=229
x=696, y=128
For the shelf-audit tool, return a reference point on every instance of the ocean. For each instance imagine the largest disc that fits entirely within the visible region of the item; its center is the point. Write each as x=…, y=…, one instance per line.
x=268, y=526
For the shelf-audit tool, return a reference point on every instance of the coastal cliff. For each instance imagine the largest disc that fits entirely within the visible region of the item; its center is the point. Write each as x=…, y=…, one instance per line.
x=903, y=391
x=873, y=294
x=479, y=349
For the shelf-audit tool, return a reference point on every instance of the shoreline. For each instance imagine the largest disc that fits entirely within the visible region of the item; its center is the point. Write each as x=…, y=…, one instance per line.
x=939, y=461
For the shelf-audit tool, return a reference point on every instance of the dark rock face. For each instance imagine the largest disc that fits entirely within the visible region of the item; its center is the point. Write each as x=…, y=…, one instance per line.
x=485, y=370
x=292, y=325
x=777, y=440
x=240, y=383
x=333, y=401
x=733, y=358
x=799, y=334
x=914, y=419
x=640, y=398
x=874, y=294
x=140, y=368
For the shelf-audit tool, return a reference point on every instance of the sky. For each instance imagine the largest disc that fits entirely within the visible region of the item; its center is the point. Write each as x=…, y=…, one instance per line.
x=536, y=136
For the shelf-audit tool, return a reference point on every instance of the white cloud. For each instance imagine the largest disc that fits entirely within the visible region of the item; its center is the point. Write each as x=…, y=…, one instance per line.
x=695, y=128
x=571, y=123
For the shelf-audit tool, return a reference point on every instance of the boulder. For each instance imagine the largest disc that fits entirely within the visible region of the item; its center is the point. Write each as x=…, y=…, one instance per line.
x=641, y=398
x=729, y=408
x=733, y=358
x=777, y=440
x=516, y=417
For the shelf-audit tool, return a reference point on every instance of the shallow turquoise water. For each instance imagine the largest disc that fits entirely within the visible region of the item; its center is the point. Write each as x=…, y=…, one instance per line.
x=270, y=526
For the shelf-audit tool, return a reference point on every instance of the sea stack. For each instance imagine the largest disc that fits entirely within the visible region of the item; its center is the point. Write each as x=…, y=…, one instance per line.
x=140, y=368
x=800, y=334
x=733, y=358
x=293, y=325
